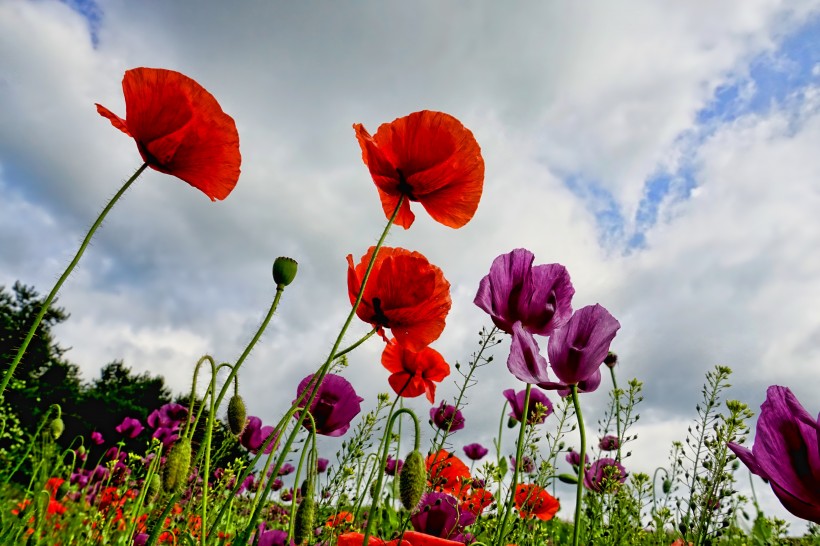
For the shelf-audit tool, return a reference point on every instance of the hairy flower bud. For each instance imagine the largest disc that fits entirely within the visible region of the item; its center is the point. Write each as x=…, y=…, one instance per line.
x=611, y=359
x=154, y=487
x=305, y=516
x=175, y=472
x=62, y=490
x=412, y=480
x=57, y=427
x=284, y=270
x=236, y=415
x=568, y=478
x=667, y=486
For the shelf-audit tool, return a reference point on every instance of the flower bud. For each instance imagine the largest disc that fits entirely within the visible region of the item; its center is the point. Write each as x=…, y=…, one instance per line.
x=412, y=480
x=57, y=427
x=611, y=359
x=175, y=472
x=667, y=486
x=284, y=270
x=236, y=415
x=568, y=478
x=305, y=515
x=62, y=490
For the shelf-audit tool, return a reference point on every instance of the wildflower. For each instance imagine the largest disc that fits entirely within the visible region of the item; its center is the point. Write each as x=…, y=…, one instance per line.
x=609, y=443
x=476, y=499
x=414, y=373
x=534, y=501
x=166, y=435
x=404, y=292
x=321, y=465
x=340, y=519
x=130, y=427
x=786, y=453
x=447, y=473
x=334, y=407
x=475, y=452
x=428, y=157
x=254, y=435
x=602, y=471
x=447, y=417
x=180, y=129
x=273, y=537
x=237, y=415
x=439, y=515
x=392, y=466
x=578, y=349
x=412, y=480
x=97, y=438
x=527, y=464
x=535, y=415
x=574, y=458
x=169, y=415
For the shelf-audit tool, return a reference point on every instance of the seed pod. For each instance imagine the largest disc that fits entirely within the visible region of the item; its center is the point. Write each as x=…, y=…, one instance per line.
x=175, y=473
x=154, y=487
x=62, y=490
x=236, y=415
x=305, y=514
x=568, y=478
x=412, y=480
x=667, y=486
x=284, y=270
x=57, y=427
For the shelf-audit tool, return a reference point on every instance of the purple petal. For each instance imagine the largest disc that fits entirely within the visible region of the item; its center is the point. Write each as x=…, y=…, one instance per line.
x=499, y=290
x=578, y=349
x=525, y=361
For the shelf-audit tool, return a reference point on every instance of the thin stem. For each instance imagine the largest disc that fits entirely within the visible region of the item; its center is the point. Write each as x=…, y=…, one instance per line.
x=617, y=395
x=365, y=338
x=581, y=467
x=208, y=434
x=502, y=529
x=50, y=298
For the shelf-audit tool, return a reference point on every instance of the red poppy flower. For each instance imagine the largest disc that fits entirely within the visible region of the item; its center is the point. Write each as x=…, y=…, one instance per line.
x=180, y=129
x=404, y=292
x=429, y=157
x=409, y=538
x=447, y=473
x=476, y=500
x=534, y=501
x=414, y=373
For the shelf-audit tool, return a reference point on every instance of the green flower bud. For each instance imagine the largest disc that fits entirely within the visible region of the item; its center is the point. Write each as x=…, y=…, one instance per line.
x=62, y=490
x=154, y=487
x=57, y=427
x=568, y=478
x=305, y=516
x=284, y=270
x=412, y=480
x=175, y=472
x=667, y=486
x=236, y=415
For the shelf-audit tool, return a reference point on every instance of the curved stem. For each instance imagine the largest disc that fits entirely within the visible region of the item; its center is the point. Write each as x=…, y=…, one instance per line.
x=617, y=395
x=50, y=298
x=581, y=467
x=502, y=529
x=365, y=338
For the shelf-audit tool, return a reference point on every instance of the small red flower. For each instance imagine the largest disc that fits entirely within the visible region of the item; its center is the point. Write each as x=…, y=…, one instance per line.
x=476, y=500
x=534, y=501
x=414, y=373
x=341, y=519
x=180, y=129
x=404, y=292
x=447, y=473
x=429, y=157
x=409, y=538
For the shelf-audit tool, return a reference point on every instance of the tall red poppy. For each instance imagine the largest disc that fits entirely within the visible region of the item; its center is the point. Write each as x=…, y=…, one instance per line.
x=447, y=473
x=414, y=373
x=534, y=501
x=405, y=293
x=180, y=129
x=429, y=157
x=409, y=538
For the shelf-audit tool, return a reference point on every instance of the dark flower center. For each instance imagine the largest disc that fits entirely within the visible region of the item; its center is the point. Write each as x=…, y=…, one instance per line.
x=404, y=187
x=378, y=315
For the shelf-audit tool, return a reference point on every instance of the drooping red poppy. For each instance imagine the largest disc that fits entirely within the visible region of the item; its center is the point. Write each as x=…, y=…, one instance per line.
x=414, y=373
x=405, y=293
x=180, y=129
x=447, y=473
x=429, y=157
x=534, y=501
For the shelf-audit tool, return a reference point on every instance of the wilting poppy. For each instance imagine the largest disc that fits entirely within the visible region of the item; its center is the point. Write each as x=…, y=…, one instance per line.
x=414, y=373
x=180, y=129
x=447, y=417
x=429, y=157
x=602, y=471
x=475, y=452
x=535, y=416
x=446, y=472
x=334, y=407
x=404, y=292
x=534, y=501
x=786, y=452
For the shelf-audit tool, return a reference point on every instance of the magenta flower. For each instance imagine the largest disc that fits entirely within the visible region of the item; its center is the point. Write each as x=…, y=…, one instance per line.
x=254, y=435
x=334, y=407
x=786, y=453
x=392, y=466
x=97, y=438
x=539, y=297
x=286, y=469
x=130, y=427
x=273, y=537
x=438, y=514
x=577, y=350
x=601, y=469
x=574, y=458
x=475, y=452
x=516, y=400
x=527, y=464
x=321, y=465
x=609, y=443
x=168, y=416
x=447, y=417
x=525, y=361
x=166, y=435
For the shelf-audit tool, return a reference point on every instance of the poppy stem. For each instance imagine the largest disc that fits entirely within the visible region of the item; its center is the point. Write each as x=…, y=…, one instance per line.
x=365, y=338
x=617, y=395
x=502, y=529
x=50, y=298
x=581, y=467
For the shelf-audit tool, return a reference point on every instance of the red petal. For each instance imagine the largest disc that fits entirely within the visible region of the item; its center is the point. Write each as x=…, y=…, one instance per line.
x=115, y=120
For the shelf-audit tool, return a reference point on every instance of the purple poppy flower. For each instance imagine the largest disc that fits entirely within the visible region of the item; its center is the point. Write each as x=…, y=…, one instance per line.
x=445, y=416
x=609, y=443
x=129, y=427
x=527, y=464
x=141, y=539
x=525, y=361
x=115, y=452
x=786, y=453
x=286, y=469
x=516, y=400
x=335, y=405
x=438, y=514
x=590, y=384
x=97, y=438
x=574, y=458
x=577, y=350
x=167, y=415
x=475, y=452
x=254, y=435
x=601, y=469
x=539, y=297
x=166, y=435
x=392, y=466
x=321, y=465
x=277, y=484
x=274, y=537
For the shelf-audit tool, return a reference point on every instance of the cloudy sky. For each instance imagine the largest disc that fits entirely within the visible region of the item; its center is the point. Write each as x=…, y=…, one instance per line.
x=666, y=153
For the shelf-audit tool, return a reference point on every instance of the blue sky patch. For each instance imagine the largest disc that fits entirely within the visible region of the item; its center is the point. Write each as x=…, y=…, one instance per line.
x=93, y=15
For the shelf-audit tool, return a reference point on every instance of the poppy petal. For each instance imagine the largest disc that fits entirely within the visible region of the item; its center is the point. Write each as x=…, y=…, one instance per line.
x=115, y=120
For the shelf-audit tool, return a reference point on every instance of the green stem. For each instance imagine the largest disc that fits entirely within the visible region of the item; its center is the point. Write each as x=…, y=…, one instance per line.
x=22, y=350
x=502, y=529
x=581, y=467
x=365, y=338
x=305, y=451
x=617, y=394
x=207, y=448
